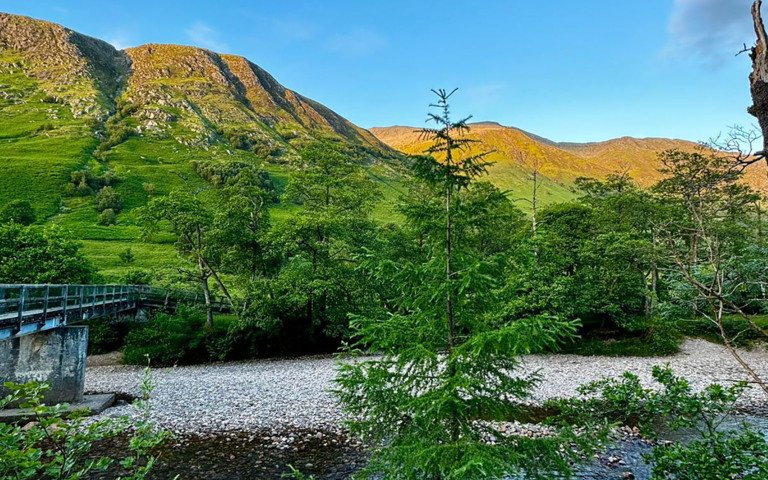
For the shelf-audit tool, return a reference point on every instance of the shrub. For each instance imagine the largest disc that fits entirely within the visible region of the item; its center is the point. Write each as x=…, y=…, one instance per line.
x=651, y=341
x=107, y=217
x=59, y=444
x=150, y=189
x=80, y=183
x=674, y=406
x=108, y=198
x=736, y=328
x=137, y=276
x=167, y=340
x=18, y=211
x=126, y=256
x=84, y=182
x=117, y=133
x=106, y=336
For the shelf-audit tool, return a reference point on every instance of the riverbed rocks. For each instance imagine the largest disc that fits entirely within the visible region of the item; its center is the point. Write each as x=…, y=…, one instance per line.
x=296, y=393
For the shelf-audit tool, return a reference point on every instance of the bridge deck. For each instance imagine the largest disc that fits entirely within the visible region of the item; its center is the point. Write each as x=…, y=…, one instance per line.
x=26, y=309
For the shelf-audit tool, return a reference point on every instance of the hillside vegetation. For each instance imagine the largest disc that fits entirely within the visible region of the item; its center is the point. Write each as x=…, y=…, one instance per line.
x=77, y=115
x=516, y=153
x=145, y=117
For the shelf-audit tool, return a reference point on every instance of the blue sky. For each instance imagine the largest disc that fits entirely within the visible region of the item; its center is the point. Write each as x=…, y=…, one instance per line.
x=569, y=70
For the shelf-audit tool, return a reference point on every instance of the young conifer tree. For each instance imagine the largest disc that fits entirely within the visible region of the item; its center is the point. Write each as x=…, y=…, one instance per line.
x=447, y=364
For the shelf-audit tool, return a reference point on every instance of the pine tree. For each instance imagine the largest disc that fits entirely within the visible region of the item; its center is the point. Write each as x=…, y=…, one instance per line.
x=447, y=357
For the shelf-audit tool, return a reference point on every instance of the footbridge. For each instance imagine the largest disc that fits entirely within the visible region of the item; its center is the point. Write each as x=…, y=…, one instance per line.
x=41, y=336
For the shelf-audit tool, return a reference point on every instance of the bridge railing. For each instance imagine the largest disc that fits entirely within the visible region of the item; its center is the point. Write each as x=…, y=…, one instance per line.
x=30, y=308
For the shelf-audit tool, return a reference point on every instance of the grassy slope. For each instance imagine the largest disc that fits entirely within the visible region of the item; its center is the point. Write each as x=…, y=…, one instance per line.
x=40, y=164
x=165, y=163
x=35, y=133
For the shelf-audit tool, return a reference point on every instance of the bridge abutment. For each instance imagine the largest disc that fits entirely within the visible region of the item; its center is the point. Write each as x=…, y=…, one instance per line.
x=56, y=356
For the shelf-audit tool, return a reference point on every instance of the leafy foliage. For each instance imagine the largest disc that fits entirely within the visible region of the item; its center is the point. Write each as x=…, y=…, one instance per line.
x=448, y=360
x=715, y=452
x=57, y=445
x=41, y=255
x=316, y=285
x=175, y=340
x=18, y=211
x=108, y=199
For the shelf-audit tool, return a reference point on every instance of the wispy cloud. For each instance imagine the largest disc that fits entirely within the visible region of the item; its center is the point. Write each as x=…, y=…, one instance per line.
x=204, y=36
x=119, y=41
x=708, y=31
x=356, y=43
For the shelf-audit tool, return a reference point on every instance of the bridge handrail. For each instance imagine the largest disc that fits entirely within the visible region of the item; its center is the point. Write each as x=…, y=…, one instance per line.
x=37, y=305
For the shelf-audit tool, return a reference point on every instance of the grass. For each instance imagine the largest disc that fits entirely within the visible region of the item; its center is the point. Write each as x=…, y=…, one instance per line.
x=41, y=144
x=735, y=327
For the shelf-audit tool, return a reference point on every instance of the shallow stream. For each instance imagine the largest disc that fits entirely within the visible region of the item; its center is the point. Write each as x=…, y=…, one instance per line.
x=327, y=456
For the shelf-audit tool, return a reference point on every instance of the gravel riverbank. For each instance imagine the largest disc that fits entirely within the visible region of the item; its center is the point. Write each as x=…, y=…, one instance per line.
x=284, y=394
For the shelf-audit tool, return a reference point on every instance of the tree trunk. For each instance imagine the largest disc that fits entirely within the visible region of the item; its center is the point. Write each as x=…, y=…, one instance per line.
x=204, y=275
x=533, y=198
x=758, y=79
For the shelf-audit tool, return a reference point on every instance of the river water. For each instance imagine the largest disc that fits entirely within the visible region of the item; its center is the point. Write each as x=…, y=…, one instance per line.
x=236, y=456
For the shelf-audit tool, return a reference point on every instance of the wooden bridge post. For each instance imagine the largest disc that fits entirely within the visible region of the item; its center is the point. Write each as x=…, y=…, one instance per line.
x=45, y=300
x=64, y=302
x=22, y=301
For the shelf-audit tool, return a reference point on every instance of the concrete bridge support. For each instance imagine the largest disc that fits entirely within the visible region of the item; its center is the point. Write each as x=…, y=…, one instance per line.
x=56, y=356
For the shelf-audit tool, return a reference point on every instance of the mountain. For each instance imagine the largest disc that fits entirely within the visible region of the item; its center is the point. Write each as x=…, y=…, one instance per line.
x=146, y=116
x=516, y=152
x=149, y=116
x=191, y=94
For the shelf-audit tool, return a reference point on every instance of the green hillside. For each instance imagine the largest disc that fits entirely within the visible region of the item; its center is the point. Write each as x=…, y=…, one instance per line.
x=76, y=114
x=84, y=110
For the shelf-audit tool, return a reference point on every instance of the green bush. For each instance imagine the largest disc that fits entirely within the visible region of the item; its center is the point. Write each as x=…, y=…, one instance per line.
x=60, y=444
x=126, y=256
x=84, y=182
x=168, y=340
x=137, y=276
x=672, y=405
x=18, y=211
x=108, y=198
x=107, y=217
x=736, y=328
x=106, y=336
x=178, y=340
x=102, y=337
x=654, y=343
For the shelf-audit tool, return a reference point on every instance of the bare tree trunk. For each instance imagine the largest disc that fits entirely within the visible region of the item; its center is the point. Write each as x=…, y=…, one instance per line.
x=727, y=340
x=449, y=267
x=534, y=197
x=218, y=281
x=652, y=294
x=758, y=79
x=204, y=275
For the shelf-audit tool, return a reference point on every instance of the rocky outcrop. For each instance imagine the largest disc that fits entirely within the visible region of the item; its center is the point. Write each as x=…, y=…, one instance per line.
x=84, y=72
x=192, y=94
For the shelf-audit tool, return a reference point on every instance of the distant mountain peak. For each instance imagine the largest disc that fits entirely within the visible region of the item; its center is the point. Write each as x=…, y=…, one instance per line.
x=515, y=151
x=192, y=94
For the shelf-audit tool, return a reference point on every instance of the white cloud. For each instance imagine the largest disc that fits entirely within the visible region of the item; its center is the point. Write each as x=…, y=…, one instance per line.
x=356, y=43
x=204, y=36
x=709, y=31
x=120, y=42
